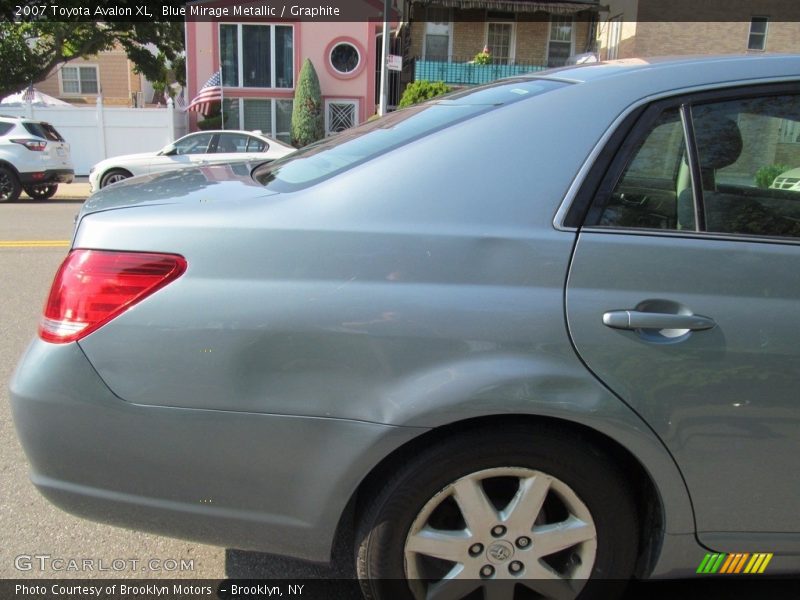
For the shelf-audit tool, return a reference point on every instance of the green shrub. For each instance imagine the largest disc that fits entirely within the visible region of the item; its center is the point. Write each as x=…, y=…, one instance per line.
x=767, y=174
x=308, y=123
x=422, y=90
x=213, y=120
x=483, y=57
x=210, y=123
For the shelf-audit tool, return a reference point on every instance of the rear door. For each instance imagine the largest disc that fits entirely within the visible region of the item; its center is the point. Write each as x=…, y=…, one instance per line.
x=684, y=298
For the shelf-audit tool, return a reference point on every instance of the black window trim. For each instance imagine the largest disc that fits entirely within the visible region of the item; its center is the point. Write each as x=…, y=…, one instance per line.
x=596, y=196
x=693, y=161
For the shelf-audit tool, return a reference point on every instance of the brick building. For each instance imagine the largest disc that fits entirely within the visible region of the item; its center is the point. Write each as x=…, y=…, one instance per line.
x=521, y=35
x=641, y=28
x=80, y=81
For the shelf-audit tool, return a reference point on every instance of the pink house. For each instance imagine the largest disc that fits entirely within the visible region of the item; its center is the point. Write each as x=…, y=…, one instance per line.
x=260, y=61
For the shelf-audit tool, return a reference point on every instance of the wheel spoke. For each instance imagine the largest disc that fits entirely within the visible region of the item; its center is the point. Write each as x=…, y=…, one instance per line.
x=552, y=538
x=476, y=509
x=447, y=545
x=525, y=506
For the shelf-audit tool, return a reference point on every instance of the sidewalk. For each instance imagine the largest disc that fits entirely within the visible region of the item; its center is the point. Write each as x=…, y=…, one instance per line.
x=77, y=190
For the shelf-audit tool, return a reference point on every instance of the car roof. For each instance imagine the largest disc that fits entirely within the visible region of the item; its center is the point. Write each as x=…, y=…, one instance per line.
x=663, y=73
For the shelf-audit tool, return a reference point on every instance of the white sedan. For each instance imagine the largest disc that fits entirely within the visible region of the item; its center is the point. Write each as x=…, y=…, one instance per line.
x=201, y=148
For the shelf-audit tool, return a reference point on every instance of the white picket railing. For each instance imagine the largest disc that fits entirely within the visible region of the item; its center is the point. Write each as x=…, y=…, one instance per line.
x=99, y=132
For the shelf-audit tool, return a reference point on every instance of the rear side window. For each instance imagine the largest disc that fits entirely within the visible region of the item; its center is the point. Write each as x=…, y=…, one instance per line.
x=744, y=177
x=52, y=131
x=5, y=128
x=43, y=130
x=352, y=147
x=655, y=183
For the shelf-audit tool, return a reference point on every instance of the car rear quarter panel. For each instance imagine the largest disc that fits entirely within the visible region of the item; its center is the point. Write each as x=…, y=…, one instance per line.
x=416, y=290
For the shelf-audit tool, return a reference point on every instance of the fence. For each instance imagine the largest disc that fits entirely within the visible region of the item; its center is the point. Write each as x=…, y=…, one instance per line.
x=465, y=72
x=99, y=132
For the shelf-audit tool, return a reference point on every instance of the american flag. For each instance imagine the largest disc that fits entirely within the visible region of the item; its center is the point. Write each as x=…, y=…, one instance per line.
x=29, y=94
x=210, y=92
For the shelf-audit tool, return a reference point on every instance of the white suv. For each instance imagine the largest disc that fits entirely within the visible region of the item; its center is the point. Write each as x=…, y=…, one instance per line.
x=33, y=157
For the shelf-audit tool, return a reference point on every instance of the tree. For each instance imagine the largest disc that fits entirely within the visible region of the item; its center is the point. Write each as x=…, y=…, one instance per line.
x=29, y=51
x=307, y=121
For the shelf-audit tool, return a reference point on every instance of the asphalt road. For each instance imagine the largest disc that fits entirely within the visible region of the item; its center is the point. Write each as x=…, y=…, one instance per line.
x=33, y=240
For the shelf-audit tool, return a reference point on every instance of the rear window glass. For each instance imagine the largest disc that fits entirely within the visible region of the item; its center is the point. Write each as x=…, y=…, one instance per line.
x=352, y=147
x=43, y=130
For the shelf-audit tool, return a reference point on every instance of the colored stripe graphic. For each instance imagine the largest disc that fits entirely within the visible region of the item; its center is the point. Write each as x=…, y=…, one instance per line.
x=727, y=564
x=736, y=563
x=767, y=558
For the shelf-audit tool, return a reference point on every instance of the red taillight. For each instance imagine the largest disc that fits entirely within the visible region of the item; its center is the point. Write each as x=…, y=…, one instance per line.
x=35, y=145
x=94, y=286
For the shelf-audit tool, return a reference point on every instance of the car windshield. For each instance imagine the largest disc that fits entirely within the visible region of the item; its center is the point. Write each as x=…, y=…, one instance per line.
x=331, y=156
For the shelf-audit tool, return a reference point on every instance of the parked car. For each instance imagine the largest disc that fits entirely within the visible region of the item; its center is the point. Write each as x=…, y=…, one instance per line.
x=515, y=341
x=33, y=157
x=788, y=180
x=203, y=147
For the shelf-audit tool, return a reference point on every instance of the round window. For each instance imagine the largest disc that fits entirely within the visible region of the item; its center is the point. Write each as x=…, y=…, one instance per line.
x=344, y=57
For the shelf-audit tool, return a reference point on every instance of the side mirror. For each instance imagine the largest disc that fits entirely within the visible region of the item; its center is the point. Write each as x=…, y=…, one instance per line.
x=168, y=150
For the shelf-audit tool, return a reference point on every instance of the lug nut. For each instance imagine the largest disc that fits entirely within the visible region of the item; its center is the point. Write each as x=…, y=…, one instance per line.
x=475, y=549
x=498, y=531
x=515, y=567
x=487, y=571
x=523, y=542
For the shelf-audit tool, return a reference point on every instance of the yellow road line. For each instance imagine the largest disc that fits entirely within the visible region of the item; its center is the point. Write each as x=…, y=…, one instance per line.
x=34, y=243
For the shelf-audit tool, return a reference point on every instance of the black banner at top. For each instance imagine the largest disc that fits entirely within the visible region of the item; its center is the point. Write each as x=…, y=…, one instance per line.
x=417, y=10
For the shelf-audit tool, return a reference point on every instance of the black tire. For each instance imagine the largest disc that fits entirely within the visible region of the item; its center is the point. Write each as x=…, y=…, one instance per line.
x=386, y=518
x=10, y=188
x=113, y=176
x=41, y=192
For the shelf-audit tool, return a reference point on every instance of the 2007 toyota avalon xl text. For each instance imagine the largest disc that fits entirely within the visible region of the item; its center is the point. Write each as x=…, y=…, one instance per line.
x=539, y=332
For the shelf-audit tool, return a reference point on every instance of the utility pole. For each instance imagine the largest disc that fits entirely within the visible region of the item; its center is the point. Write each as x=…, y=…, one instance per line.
x=384, y=89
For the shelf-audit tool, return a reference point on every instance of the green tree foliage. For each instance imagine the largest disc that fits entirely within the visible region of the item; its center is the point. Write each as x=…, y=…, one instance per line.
x=307, y=119
x=422, y=90
x=29, y=51
x=767, y=174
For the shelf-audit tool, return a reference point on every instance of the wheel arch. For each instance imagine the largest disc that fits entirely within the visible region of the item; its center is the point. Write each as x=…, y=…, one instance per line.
x=108, y=170
x=5, y=163
x=647, y=497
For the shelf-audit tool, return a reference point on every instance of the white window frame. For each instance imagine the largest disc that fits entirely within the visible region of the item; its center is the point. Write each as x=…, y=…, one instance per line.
x=273, y=132
x=240, y=54
x=765, y=34
x=550, y=34
x=354, y=47
x=614, y=37
x=354, y=101
x=80, y=91
x=512, y=40
x=449, y=36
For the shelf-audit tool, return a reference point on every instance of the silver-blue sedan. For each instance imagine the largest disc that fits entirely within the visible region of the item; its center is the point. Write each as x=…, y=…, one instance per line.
x=540, y=332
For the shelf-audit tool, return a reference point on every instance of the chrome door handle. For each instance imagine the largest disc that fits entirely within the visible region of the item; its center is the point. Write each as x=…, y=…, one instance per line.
x=634, y=319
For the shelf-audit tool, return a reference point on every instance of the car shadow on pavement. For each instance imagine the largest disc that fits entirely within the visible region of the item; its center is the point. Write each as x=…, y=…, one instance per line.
x=75, y=200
